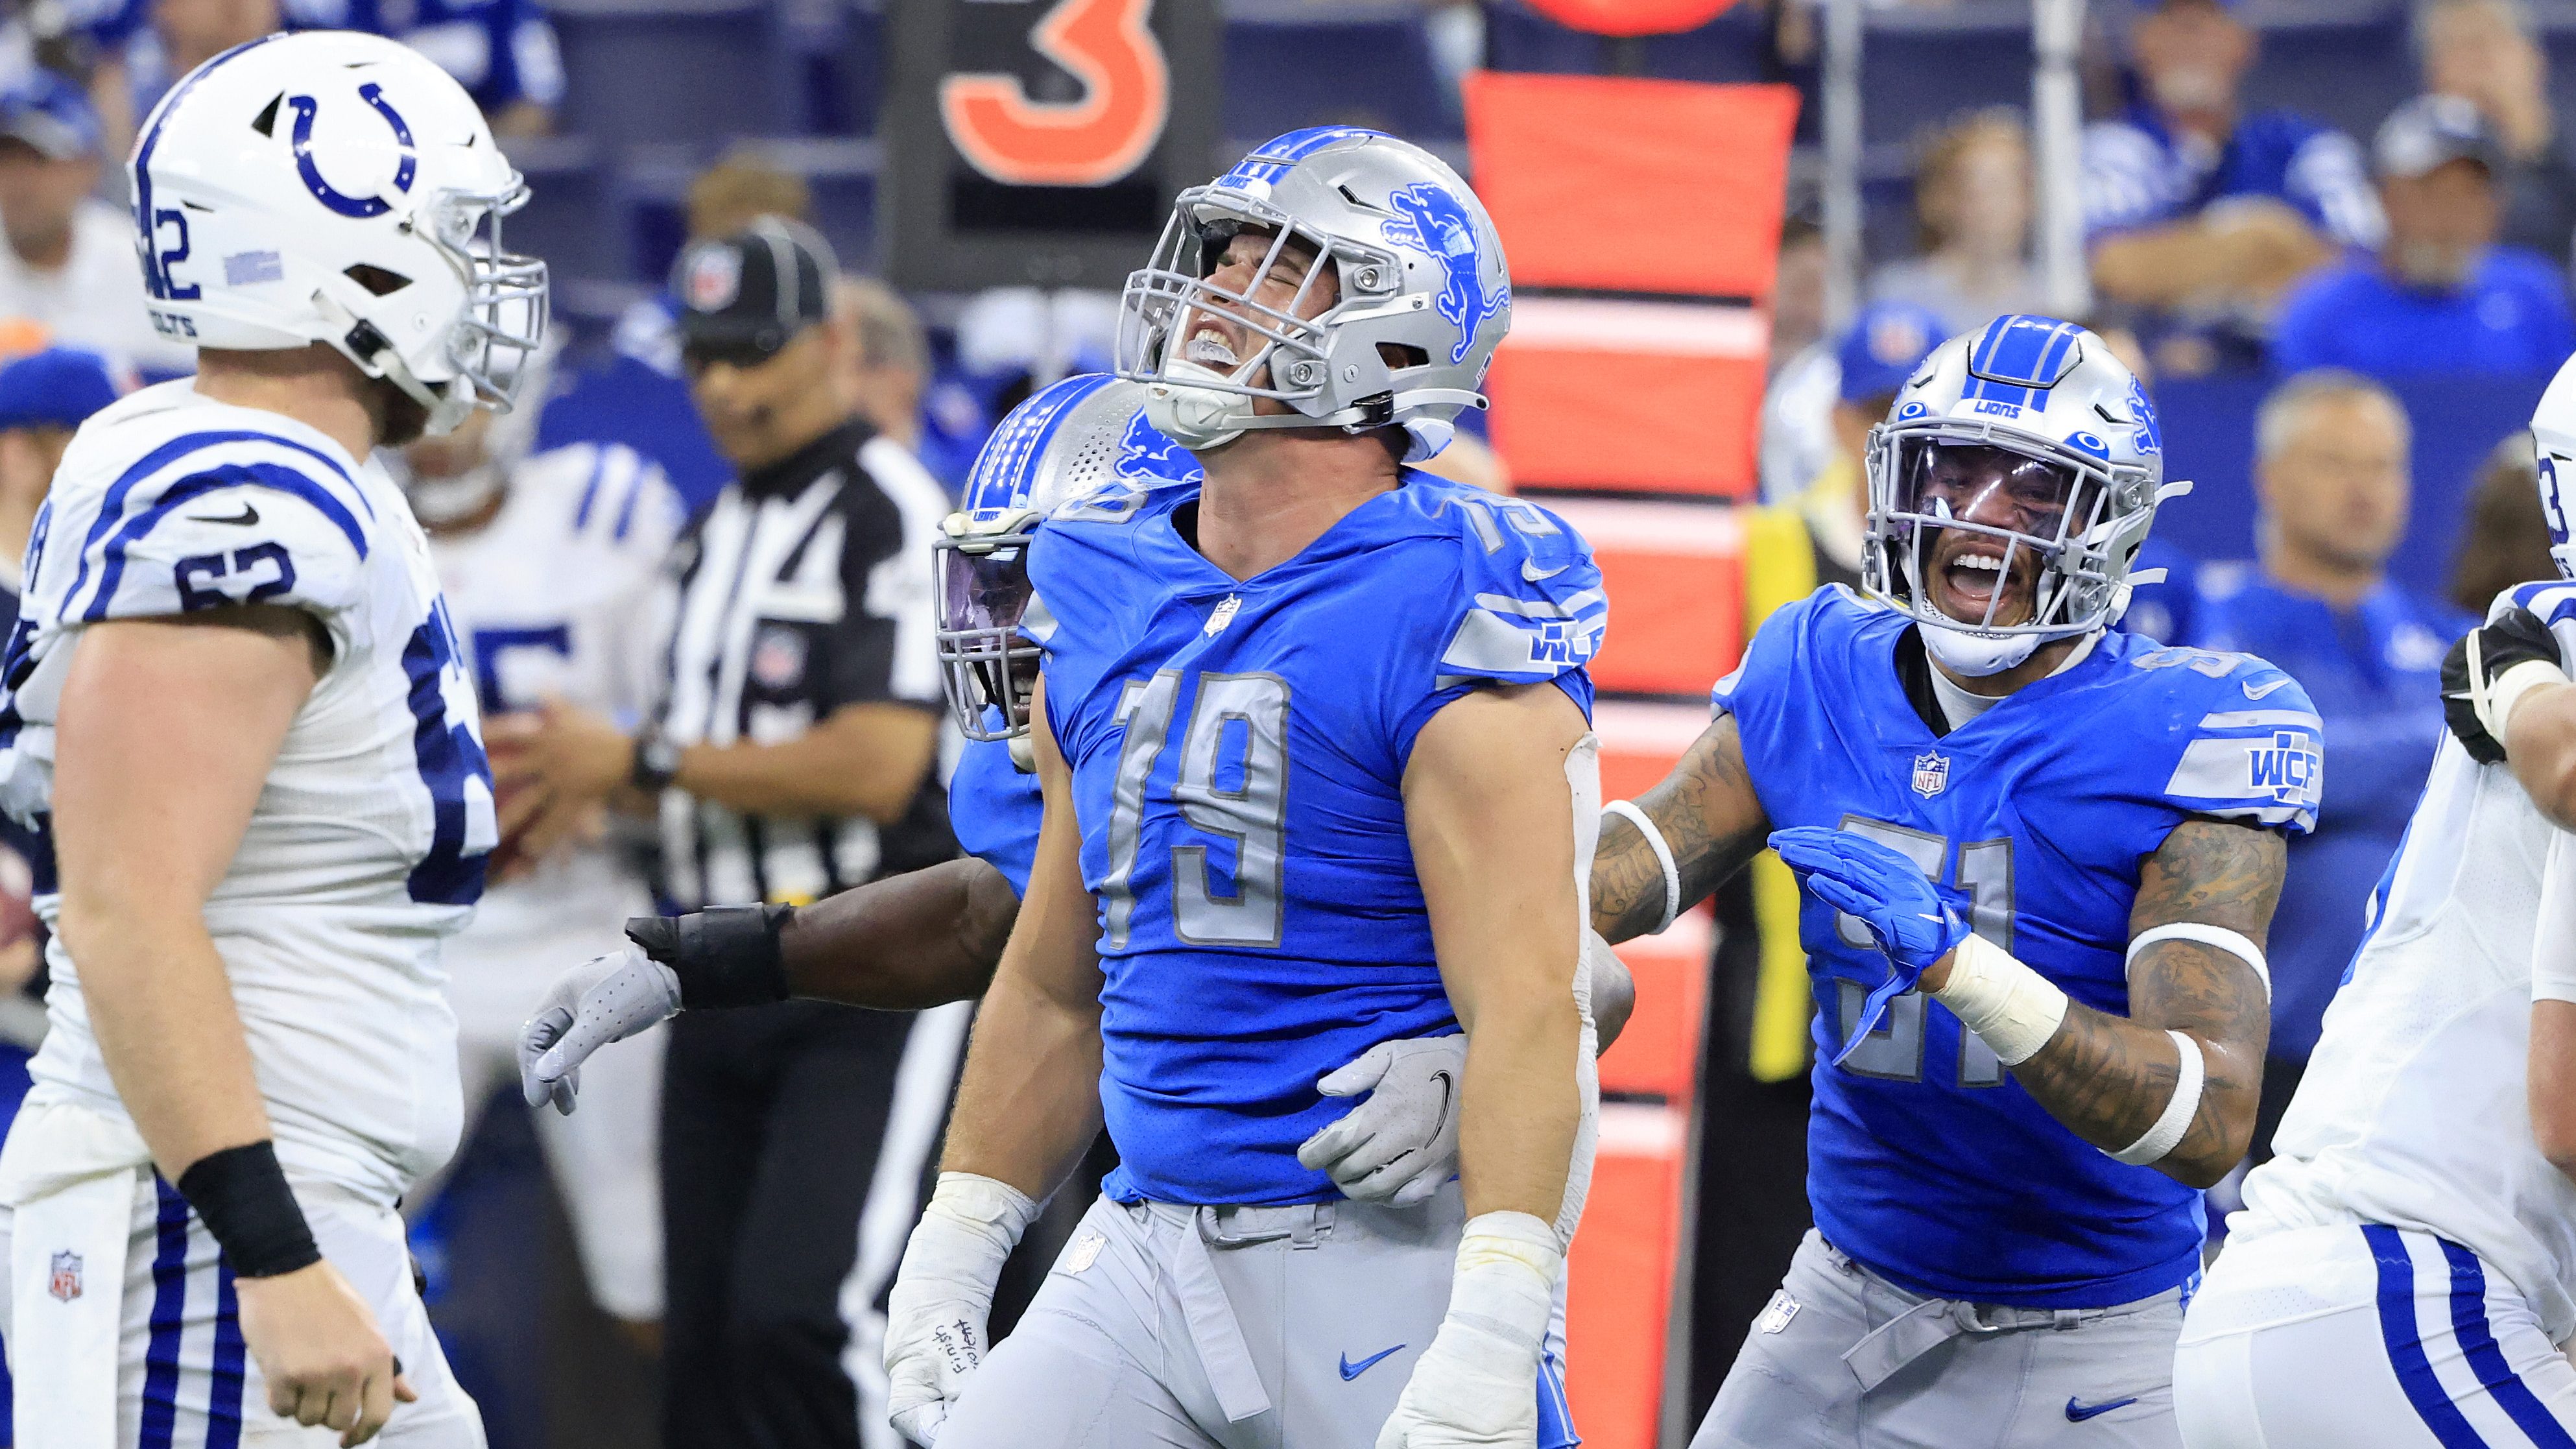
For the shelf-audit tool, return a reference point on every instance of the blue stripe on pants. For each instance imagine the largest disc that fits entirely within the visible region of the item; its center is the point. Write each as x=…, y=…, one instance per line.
x=169, y=1311
x=2469, y=1323
x=223, y=1405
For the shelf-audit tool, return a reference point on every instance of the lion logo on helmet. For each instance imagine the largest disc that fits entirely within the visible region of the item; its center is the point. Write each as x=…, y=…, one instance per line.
x=1430, y=218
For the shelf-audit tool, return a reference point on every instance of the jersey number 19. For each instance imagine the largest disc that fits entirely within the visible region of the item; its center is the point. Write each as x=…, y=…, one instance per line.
x=1251, y=812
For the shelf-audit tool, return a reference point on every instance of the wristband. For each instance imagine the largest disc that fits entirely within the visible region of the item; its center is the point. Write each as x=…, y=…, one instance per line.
x=654, y=762
x=2508, y=688
x=725, y=956
x=2012, y=1009
x=242, y=1196
x=1627, y=809
x=2220, y=938
x=2167, y=1133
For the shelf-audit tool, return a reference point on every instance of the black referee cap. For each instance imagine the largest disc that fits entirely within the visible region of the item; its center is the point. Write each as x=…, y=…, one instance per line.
x=747, y=296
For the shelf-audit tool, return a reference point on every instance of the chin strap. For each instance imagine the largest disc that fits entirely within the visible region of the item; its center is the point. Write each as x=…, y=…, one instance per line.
x=365, y=344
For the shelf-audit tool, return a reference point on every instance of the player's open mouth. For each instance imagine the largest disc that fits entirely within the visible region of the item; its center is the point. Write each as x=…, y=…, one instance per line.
x=1970, y=577
x=1209, y=347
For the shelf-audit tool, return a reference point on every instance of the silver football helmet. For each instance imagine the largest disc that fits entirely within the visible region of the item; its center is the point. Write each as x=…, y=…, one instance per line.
x=2022, y=461
x=1083, y=438
x=1423, y=297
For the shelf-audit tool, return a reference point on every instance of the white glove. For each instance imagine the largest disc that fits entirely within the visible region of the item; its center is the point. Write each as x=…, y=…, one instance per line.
x=1476, y=1387
x=1401, y=1143
x=935, y=1333
x=605, y=999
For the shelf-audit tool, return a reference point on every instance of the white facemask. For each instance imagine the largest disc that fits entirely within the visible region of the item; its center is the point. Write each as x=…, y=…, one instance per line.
x=1196, y=417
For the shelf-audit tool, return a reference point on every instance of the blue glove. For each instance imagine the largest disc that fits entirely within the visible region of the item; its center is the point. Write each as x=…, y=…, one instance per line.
x=1888, y=894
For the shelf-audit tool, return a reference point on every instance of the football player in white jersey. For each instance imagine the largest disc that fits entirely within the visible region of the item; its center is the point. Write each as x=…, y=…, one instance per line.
x=549, y=564
x=2404, y=1270
x=237, y=699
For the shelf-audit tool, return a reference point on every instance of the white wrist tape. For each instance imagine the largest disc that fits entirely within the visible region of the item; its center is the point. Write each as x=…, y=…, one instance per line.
x=2169, y=1128
x=2218, y=937
x=984, y=1212
x=2495, y=706
x=2012, y=1009
x=1663, y=857
x=1505, y=1283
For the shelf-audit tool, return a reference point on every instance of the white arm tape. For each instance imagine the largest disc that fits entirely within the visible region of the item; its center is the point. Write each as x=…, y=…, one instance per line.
x=2218, y=937
x=1663, y=857
x=2012, y=1009
x=2496, y=704
x=2168, y=1131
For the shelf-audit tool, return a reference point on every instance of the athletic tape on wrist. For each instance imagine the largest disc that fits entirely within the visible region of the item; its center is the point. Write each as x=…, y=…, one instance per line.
x=2240, y=946
x=241, y=1194
x=1663, y=857
x=2167, y=1133
x=724, y=956
x=2012, y=1009
x=2508, y=688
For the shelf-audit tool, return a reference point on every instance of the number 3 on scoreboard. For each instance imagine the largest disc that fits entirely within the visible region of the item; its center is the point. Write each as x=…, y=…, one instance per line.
x=1126, y=96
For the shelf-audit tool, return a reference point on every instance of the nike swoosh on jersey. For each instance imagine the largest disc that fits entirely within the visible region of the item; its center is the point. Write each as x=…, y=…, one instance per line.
x=1532, y=572
x=2077, y=1413
x=249, y=516
x=1352, y=1370
x=2253, y=693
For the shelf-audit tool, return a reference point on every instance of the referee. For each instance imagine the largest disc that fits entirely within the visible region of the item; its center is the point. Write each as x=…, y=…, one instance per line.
x=792, y=757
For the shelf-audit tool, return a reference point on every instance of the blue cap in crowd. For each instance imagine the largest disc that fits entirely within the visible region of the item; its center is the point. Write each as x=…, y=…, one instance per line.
x=1883, y=346
x=52, y=115
x=56, y=388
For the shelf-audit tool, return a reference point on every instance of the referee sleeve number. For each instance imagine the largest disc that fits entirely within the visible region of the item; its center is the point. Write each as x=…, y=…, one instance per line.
x=1894, y=1049
x=1230, y=786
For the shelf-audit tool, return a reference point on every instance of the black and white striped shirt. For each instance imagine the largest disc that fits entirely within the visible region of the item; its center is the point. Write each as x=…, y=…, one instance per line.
x=805, y=587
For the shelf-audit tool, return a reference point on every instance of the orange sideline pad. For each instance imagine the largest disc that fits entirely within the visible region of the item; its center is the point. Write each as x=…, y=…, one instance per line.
x=1658, y=1053
x=1620, y=1275
x=1624, y=185
x=1575, y=412
x=1674, y=573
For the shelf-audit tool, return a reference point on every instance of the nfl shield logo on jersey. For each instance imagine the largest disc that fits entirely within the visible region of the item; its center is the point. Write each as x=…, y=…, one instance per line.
x=1931, y=774
x=65, y=1283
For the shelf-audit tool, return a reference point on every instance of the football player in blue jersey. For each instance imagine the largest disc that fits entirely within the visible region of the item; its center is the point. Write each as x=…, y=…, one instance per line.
x=1317, y=771
x=932, y=936
x=2039, y=858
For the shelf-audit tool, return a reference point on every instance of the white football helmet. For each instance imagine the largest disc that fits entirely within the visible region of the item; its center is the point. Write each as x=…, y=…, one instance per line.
x=337, y=187
x=2028, y=433
x=1425, y=295
x=2553, y=437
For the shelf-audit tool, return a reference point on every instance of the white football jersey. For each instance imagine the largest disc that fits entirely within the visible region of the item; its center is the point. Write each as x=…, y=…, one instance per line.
x=367, y=844
x=556, y=597
x=2413, y=1111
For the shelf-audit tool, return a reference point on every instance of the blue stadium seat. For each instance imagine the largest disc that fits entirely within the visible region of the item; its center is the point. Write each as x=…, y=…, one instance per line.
x=563, y=222
x=686, y=70
x=1309, y=64
x=2345, y=72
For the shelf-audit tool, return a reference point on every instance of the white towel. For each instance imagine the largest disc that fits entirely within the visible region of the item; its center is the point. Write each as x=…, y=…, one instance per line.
x=69, y=1175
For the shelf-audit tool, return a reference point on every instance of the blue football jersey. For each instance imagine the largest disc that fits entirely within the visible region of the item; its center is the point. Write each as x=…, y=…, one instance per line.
x=994, y=808
x=1238, y=754
x=1926, y=1160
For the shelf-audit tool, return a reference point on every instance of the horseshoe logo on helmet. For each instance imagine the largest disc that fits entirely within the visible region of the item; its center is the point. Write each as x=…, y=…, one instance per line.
x=360, y=207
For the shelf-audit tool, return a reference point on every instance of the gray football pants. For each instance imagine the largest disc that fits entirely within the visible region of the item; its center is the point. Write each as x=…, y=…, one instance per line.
x=1168, y=1327
x=1942, y=1375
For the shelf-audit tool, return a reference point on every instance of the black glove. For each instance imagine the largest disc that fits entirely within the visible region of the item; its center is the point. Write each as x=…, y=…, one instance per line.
x=2516, y=637
x=726, y=956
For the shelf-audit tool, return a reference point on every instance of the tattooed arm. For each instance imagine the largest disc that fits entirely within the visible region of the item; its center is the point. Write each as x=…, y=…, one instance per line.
x=2109, y=1077
x=1706, y=812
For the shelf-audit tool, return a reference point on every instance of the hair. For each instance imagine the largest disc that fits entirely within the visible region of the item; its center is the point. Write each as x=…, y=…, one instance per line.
x=1937, y=158
x=888, y=332
x=2505, y=540
x=2419, y=29
x=729, y=196
x=2283, y=409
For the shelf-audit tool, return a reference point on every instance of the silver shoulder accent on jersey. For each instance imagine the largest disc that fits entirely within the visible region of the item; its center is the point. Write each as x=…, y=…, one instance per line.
x=2031, y=434
x=1424, y=294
